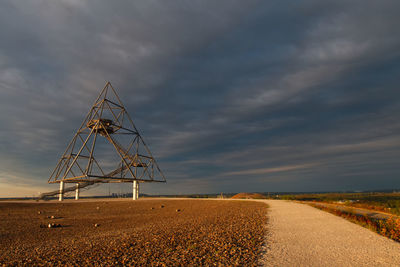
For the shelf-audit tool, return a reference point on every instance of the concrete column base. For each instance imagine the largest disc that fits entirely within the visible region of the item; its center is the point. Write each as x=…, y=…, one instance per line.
x=61, y=195
x=135, y=190
x=77, y=192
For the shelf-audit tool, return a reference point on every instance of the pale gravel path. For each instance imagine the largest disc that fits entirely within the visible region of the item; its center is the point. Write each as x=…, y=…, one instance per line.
x=300, y=235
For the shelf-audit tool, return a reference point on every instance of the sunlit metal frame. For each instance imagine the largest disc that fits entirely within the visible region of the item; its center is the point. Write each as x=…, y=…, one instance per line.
x=94, y=126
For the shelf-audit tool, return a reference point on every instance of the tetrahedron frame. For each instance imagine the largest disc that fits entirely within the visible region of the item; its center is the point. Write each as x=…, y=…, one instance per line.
x=107, y=128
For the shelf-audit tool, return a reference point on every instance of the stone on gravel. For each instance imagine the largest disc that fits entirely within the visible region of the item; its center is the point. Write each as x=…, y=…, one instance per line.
x=53, y=225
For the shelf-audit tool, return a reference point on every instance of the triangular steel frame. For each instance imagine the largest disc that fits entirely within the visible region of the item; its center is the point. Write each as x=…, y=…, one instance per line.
x=107, y=119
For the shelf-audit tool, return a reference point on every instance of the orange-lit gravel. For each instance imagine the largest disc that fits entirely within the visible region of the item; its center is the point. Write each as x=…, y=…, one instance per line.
x=143, y=232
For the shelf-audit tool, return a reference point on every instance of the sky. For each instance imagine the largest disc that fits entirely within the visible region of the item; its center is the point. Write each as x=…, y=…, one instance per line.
x=230, y=96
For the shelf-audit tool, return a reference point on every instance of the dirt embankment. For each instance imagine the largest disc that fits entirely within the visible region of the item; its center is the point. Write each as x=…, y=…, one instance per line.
x=249, y=196
x=144, y=232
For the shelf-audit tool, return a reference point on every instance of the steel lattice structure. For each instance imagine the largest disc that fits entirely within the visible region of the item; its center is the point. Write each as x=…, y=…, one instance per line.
x=107, y=148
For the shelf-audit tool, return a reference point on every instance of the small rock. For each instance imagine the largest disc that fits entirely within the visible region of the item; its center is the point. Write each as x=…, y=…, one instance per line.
x=178, y=210
x=152, y=208
x=162, y=206
x=96, y=225
x=53, y=225
x=98, y=208
x=52, y=217
x=39, y=212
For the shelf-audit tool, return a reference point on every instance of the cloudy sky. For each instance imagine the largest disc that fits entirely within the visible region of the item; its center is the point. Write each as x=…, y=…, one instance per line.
x=230, y=95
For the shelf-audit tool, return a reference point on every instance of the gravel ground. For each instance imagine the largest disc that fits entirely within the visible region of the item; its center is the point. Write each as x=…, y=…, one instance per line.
x=299, y=235
x=138, y=233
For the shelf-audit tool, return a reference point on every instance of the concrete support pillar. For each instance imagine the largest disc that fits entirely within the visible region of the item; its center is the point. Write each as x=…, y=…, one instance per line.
x=77, y=192
x=135, y=190
x=61, y=195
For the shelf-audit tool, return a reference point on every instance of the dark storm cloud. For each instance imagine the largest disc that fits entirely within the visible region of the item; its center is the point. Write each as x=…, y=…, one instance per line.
x=231, y=96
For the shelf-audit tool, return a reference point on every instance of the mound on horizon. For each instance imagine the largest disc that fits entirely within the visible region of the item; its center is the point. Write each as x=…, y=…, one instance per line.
x=249, y=196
